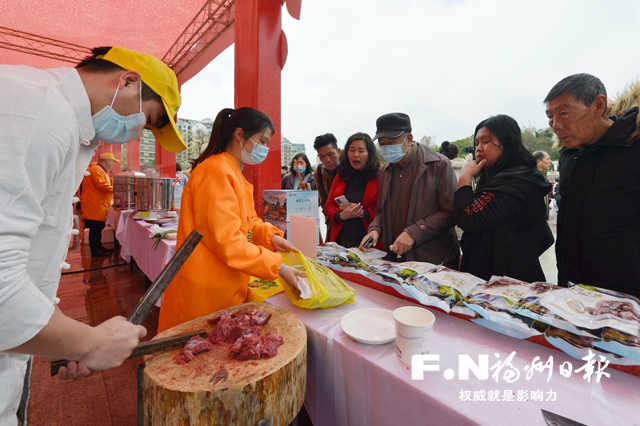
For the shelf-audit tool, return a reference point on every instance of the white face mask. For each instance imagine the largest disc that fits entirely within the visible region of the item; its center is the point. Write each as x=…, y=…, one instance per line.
x=257, y=155
x=112, y=127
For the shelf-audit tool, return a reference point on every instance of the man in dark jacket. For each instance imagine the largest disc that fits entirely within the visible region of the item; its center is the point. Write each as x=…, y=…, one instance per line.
x=329, y=155
x=415, y=198
x=599, y=223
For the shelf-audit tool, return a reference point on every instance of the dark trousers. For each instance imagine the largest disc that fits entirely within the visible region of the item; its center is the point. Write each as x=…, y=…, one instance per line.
x=95, y=234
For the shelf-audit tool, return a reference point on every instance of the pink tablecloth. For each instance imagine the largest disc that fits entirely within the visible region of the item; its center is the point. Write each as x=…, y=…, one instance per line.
x=350, y=383
x=113, y=217
x=135, y=242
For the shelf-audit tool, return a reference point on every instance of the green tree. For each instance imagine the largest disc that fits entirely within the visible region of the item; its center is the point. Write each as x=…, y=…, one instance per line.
x=196, y=142
x=539, y=139
x=462, y=143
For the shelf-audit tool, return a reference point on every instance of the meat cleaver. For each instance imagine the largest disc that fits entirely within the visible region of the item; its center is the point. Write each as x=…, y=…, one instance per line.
x=152, y=295
x=554, y=419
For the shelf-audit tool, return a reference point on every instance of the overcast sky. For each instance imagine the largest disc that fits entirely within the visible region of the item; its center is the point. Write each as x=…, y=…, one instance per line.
x=448, y=64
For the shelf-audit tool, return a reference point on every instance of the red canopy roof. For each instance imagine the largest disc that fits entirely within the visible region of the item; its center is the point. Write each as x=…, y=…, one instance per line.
x=55, y=33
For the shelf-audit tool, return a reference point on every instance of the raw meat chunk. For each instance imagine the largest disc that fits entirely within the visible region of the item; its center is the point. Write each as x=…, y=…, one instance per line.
x=195, y=345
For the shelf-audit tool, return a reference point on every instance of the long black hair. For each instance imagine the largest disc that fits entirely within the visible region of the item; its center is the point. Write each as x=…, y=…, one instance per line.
x=250, y=120
x=371, y=168
x=514, y=153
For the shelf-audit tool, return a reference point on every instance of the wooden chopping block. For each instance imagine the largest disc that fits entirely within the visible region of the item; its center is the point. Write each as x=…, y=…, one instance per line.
x=213, y=389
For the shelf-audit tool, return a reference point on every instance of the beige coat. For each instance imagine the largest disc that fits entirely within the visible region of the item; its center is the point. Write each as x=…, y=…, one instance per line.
x=457, y=164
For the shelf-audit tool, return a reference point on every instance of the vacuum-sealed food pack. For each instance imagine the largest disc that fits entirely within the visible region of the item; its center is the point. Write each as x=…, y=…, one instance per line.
x=619, y=343
x=443, y=288
x=581, y=346
x=496, y=302
x=594, y=308
x=530, y=307
x=349, y=260
x=404, y=271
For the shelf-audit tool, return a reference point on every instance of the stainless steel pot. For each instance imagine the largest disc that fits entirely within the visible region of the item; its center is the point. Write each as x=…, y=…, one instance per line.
x=154, y=193
x=124, y=190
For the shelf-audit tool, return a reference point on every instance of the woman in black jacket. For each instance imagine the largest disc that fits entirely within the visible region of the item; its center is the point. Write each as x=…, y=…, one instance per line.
x=504, y=223
x=301, y=175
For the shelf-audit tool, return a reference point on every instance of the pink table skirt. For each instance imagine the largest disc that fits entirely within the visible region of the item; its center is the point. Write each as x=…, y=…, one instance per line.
x=350, y=383
x=135, y=241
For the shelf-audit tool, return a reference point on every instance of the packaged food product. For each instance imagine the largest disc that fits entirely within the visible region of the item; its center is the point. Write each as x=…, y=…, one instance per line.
x=443, y=288
x=594, y=308
x=580, y=346
x=530, y=307
x=496, y=303
x=619, y=343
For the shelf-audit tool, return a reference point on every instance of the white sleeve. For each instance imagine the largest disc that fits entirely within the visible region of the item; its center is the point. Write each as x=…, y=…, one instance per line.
x=32, y=164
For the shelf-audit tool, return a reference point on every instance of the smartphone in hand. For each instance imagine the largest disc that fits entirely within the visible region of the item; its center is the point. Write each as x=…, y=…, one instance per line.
x=342, y=201
x=368, y=243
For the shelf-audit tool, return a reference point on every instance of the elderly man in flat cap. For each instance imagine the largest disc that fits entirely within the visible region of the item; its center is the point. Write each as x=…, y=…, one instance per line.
x=415, y=198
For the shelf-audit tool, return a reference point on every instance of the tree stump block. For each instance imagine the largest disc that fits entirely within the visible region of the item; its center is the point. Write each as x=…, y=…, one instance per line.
x=213, y=389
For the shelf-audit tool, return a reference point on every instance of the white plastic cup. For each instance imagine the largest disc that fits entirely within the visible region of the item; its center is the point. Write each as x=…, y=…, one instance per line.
x=414, y=327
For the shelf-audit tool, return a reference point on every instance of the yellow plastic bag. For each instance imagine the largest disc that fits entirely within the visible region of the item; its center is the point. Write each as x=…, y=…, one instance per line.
x=328, y=289
x=261, y=290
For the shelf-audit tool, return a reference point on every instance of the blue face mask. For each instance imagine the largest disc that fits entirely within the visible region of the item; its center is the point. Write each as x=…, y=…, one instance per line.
x=112, y=127
x=257, y=155
x=333, y=169
x=393, y=153
x=301, y=169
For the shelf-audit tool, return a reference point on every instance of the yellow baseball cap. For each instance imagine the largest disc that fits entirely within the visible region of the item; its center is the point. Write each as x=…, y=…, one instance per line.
x=162, y=80
x=108, y=156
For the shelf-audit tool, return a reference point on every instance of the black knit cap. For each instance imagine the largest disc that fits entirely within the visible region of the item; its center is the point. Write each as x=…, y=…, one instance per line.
x=392, y=125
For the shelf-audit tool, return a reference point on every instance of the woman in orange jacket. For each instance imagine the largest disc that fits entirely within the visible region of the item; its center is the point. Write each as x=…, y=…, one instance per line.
x=218, y=202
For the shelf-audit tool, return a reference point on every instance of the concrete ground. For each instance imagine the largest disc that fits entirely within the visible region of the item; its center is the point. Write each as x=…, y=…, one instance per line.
x=548, y=258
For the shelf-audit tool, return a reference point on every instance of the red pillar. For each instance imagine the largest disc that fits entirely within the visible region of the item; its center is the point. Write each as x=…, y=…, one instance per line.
x=117, y=152
x=133, y=155
x=99, y=150
x=258, y=66
x=165, y=162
